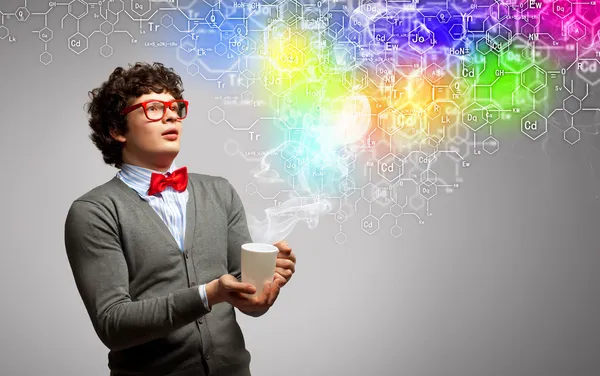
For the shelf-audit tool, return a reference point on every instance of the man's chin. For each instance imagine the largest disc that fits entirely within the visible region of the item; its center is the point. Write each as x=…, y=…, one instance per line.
x=170, y=147
x=167, y=153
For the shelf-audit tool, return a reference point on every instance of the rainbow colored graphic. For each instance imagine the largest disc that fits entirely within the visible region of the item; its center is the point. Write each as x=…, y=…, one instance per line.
x=414, y=73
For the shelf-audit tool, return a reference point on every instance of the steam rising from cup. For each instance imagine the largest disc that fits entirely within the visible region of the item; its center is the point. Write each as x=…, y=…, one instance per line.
x=281, y=220
x=343, y=122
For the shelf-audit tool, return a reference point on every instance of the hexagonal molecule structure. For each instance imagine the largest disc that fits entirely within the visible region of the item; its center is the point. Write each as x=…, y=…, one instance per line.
x=498, y=37
x=473, y=116
x=78, y=43
x=140, y=7
x=22, y=14
x=370, y=224
x=390, y=167
x=340, y=238
x=106, y=51
x=45, y=58
x=216, y=115
x=491, y=145
x=562, y=8
x=341, y=216
x=421, y=39
x=396, y=231
x=370, y=192
x=572, y=135
x=78, y=9
x=427, y=190
x=534, y=125
x=46, y=35
x=534, y=78
x=116, y=6
x=4, y=32
x=572, y=104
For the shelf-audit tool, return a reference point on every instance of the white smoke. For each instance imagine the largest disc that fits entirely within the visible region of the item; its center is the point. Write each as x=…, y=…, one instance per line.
x=280, y=220
x=345, y=122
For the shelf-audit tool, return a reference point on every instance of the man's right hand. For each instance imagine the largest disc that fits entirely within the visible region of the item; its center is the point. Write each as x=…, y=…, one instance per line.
x=226, y=287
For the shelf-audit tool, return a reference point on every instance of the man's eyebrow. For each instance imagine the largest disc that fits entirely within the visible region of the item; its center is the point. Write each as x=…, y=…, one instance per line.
x=158, y=100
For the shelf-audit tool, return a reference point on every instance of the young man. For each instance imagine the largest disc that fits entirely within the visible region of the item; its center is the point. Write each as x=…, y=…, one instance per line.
x=155, y=251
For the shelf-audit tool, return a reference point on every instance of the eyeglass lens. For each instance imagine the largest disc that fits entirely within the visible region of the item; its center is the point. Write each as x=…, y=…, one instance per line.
x=156, y=110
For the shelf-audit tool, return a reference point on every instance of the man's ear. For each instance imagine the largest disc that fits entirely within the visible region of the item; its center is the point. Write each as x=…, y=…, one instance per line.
x=117, y=136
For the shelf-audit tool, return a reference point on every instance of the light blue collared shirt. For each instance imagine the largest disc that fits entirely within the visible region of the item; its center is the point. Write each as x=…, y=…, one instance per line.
x=170, y=205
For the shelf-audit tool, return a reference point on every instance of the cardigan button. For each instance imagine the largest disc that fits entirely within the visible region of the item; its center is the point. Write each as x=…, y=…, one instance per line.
x=193, y=284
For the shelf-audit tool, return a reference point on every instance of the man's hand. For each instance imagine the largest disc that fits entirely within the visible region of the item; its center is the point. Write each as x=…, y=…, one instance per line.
x=219, y=290
x=228, y=289
x=286, y=263
x=257, y=304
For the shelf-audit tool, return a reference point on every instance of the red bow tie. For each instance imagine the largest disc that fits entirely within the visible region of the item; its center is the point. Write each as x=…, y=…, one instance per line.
x=178, y=180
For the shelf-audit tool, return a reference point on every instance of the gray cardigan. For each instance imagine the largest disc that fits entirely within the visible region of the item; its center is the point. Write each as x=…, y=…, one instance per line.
x=141, y=291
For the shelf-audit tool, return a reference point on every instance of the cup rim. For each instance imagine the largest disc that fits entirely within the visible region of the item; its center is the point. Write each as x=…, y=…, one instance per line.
x=260, y=247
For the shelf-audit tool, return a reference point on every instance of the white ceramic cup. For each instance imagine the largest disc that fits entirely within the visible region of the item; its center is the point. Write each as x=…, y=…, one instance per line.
x=258, y=264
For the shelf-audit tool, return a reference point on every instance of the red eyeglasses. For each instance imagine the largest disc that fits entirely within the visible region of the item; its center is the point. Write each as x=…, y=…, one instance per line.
x=155, y=110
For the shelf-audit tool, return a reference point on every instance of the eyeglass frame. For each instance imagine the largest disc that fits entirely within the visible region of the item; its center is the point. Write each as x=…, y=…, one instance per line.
x=166, y=104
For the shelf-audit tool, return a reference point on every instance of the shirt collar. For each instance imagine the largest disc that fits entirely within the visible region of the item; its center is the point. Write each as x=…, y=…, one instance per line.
x=138, y=178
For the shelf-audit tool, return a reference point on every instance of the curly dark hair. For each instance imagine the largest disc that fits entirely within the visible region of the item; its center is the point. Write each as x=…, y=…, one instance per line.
x=123, y=86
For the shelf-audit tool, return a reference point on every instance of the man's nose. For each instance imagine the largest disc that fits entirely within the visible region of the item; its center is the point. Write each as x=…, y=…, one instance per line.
x=170, y=115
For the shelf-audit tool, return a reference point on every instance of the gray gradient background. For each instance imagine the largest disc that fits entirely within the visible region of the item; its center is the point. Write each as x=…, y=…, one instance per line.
x=501, y=281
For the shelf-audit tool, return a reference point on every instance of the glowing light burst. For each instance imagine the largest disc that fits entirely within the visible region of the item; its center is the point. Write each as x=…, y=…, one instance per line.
x=406, y=73
x=347, y=78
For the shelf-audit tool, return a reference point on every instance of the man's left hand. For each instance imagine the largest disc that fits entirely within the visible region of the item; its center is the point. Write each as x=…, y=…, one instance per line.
x=256, y=305
x=286, y=263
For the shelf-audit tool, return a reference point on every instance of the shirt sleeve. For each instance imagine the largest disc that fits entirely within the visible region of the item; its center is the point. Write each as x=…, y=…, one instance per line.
x=100, y=272
x=203, y=296
x=237, y=234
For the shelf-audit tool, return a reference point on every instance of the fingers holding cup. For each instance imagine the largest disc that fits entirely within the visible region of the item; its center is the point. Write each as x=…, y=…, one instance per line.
x=285, y=251
x=283, y=246
x=273, y=292
x=285, y=268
